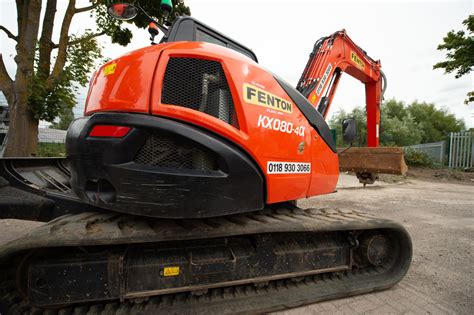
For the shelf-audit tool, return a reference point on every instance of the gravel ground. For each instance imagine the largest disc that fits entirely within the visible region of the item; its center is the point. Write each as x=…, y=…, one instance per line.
x=440, y=219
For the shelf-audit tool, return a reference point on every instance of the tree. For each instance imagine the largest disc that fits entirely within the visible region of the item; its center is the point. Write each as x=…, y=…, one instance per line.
x=65, y=118
x=359, y=115
x=399, y=132
x=434, y=124
x=402, y=125
x=460, y=53
x=48, y=72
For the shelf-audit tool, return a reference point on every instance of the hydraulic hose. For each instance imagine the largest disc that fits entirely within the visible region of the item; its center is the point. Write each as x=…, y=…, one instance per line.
x=384, y=85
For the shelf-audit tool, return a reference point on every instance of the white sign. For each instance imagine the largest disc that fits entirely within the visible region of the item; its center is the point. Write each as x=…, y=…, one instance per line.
x=324, y=79
x=288, y=168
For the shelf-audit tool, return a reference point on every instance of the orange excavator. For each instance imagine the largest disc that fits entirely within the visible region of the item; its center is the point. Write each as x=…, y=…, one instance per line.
x=178, y=191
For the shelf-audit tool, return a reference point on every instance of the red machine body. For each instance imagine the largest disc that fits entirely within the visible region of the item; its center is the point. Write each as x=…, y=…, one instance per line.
x=287, y=146
x=267, y=134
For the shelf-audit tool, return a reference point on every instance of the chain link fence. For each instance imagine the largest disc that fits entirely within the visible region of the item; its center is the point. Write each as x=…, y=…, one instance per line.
x=48, y=135
x=435, y=150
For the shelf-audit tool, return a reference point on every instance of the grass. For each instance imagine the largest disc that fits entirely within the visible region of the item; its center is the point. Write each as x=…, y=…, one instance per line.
x=51, y=150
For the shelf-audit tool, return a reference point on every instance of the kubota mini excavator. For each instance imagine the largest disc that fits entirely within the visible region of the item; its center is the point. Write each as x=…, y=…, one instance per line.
x=177, y=192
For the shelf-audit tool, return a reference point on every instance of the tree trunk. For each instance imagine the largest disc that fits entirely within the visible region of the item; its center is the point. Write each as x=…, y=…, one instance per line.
x=23, y=131
x=22, y=138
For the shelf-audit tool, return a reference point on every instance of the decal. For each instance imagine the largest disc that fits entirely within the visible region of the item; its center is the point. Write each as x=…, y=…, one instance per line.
x=256, y=96
x=301, y=147
x=170, y=271
x=279, y=125
x=109, y=69
x=359, y=63
x=324, y=79
x=288, y=168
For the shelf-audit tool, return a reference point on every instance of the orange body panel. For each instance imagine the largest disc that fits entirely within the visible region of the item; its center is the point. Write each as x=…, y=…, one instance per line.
x=124, y=84
x=266, y=134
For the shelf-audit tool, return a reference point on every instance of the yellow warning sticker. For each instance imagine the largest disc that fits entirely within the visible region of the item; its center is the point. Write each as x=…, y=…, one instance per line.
x=170, y=271
x=359, y=63
x=109, y=69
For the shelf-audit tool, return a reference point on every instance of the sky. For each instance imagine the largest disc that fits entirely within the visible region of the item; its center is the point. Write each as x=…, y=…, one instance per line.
x=403, y=34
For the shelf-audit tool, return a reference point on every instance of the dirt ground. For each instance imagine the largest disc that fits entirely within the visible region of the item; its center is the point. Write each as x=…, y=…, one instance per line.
x=440, y=219
x=439, y=175
x=439, y=215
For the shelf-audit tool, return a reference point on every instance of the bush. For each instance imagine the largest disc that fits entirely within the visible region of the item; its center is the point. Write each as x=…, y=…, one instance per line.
x=51, y=150
x=417, y=158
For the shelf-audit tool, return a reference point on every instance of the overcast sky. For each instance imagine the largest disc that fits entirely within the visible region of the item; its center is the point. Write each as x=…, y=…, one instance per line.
x=402, y=34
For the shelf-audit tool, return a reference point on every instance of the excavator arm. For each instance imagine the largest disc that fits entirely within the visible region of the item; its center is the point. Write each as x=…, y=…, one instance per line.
x=331, y=56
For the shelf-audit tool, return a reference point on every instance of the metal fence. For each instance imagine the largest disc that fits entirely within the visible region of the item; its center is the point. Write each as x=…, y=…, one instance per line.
x=45, y=135
x=3, y=126
x=435, y=150
x=461, y=149
x=49, y=135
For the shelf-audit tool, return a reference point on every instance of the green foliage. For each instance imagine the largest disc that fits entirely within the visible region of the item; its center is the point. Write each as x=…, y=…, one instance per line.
x=152, y=7
x=398, y=126
x=417, y=158
x=460, y=52
x=434, y=123
x=65, y=119
x=112, y=27
x=359, y=115
x=402, y=125
x=51, y=149
x=121, y=35
x=49, y=100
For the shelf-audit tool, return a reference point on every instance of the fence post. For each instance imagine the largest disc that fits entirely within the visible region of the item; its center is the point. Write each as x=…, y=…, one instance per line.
x=469, y=147
x=450, y=149
x=464, y=147
x=456, y=149
x=441, y=153
x=471, y=136
x=466, y=150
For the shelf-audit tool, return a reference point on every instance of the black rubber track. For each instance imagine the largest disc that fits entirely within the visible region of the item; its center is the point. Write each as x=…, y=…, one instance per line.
x=91, y=229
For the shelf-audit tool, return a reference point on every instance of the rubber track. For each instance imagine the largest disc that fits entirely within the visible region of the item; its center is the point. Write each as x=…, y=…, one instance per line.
x=93, y=229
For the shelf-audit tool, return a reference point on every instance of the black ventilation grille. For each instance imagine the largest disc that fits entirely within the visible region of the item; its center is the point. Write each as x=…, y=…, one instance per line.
x=175, y=152
x=201, y=85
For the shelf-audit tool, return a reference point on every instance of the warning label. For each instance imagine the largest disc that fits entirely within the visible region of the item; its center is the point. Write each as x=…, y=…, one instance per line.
x=171, y=271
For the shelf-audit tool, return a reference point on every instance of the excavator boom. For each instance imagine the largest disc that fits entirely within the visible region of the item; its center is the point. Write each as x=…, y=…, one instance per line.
x=331, y=57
